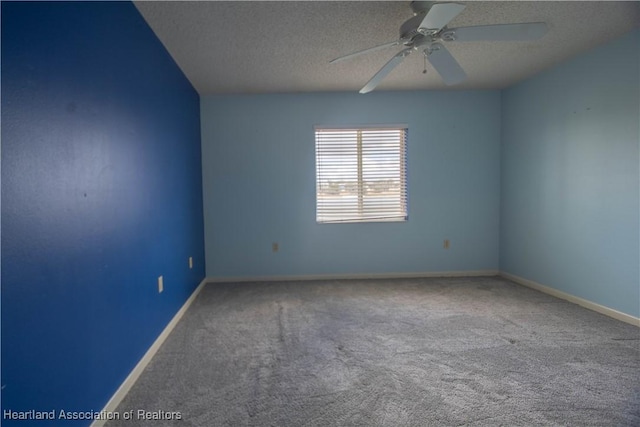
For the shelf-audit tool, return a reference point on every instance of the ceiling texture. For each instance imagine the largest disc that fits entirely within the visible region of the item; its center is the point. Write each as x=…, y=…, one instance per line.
x=283, y=47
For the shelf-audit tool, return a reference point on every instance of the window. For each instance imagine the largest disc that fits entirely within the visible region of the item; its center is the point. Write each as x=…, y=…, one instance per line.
x=361, y=174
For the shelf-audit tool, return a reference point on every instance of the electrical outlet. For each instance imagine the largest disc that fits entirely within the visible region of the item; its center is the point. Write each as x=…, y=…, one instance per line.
x=275, y=247
x=160, y=285
x=446, y=244
x=190, y=262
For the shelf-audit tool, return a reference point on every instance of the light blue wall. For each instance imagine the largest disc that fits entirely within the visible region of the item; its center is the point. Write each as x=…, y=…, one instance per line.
x=259, y=184
x=570, y=192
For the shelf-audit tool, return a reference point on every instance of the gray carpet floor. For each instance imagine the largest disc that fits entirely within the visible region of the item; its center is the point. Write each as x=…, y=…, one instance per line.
x=409, y=352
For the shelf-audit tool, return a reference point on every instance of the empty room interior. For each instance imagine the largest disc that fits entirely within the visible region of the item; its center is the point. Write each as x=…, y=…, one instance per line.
x=320, y=213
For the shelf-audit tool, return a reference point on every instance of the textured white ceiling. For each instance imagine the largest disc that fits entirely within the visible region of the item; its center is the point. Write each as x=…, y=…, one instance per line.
x=269, y=46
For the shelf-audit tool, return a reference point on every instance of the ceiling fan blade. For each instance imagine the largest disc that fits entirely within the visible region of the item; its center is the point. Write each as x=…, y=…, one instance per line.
x=505, y=32
x=440, y=15
x=445, y=64
x=362, y=52
x=385, y=70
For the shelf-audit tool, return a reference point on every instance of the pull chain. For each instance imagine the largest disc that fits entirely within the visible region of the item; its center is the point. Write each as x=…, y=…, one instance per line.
x=425, y=64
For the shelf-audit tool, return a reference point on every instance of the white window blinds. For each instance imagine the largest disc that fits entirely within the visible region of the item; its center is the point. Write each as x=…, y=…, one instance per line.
x=361, y=175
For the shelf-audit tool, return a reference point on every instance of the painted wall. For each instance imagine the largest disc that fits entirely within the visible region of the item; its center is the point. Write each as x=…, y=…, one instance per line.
x=101, y=194
x=259, y=184
x=570, y=179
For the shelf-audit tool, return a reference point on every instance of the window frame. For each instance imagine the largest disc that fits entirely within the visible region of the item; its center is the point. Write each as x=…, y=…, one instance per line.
x=402, y=153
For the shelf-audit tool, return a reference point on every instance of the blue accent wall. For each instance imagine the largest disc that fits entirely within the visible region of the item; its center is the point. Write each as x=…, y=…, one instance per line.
x=259, y=184
x=570, y=178
x=101, y=194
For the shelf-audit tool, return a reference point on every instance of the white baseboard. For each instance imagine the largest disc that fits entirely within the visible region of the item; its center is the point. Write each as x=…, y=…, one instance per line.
x=238, y=279
x=618, y=315
x=124, y=388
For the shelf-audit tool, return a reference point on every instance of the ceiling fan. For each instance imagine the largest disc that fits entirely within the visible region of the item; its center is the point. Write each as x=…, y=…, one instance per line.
x=428, y=28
